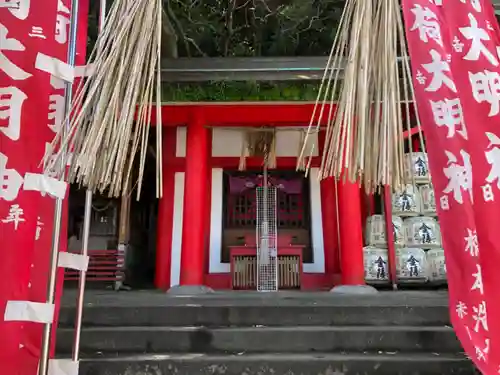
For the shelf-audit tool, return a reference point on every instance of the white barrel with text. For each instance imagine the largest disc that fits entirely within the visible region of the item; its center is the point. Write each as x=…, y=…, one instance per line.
x=375, y=233
x=411, y=265
x=436, y=265
x=422, y=232
x=376, y=264
x=417, y=168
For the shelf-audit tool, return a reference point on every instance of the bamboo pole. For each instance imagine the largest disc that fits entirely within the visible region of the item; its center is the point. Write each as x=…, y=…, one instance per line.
x=85, y=241
x=364, y=133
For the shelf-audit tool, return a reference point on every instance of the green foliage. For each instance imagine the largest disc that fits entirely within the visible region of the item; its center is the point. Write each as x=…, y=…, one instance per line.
x=235, y=91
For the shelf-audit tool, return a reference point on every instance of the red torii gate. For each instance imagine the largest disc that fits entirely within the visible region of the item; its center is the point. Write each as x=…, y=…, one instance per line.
x=197, y=117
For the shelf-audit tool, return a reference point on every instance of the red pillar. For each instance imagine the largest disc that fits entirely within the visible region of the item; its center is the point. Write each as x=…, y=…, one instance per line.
x=390, y=235
x=416, y=143
x=195, y=202
x=330, y=221
x=330, y=229
x=165, y=212
x=351, y=234
x=208, y=206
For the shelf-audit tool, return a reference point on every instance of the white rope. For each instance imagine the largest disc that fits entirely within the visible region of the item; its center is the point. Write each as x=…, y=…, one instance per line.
x=110, y=122
x=364, y=123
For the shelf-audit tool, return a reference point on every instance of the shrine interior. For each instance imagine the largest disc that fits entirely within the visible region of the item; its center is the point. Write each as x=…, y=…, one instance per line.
x=139, y=261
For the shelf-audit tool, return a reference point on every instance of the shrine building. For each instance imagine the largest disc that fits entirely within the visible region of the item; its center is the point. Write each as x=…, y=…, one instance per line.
x=203, y=231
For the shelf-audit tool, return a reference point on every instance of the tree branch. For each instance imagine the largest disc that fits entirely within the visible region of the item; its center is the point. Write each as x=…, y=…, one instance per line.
x=179, y=27
x=229, y=26
x=169, y=46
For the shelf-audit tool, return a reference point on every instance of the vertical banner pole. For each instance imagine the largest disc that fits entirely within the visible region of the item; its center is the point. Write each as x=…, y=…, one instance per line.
x=86, y=234
x=389, y=235
x=56, y=234
x=82, y=279
x=123, y=238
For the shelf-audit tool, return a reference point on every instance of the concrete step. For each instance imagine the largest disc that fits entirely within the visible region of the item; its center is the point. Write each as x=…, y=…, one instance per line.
x=305, y=339
x=280, y=364
x=256, y=314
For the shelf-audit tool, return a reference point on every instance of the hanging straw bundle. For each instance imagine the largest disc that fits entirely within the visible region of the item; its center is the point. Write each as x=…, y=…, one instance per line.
x=111, y=112
x=364, y=128
x=259, y=142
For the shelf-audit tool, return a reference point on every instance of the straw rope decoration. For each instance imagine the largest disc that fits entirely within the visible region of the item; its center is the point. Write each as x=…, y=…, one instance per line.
x=109, y=126
x=259, y=142
x=364, y=134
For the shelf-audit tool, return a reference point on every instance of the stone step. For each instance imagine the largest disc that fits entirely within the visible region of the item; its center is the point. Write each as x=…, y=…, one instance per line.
x=305, y=339
x=280, y=364
x=227, y=315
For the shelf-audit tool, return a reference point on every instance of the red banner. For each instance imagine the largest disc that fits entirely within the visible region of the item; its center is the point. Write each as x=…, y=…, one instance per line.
x=31, y=49
x=24, y=33
x=453, y=47
x=39, y=277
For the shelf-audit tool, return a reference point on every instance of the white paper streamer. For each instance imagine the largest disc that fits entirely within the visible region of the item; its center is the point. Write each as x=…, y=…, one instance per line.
x=63, y=367
x=45, y=185
x=26, y=311
x=73, y=261
x=55, y=67
x=84, y=70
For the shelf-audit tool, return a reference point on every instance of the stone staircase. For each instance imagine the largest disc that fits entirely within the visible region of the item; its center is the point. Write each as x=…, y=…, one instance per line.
x=265, y=334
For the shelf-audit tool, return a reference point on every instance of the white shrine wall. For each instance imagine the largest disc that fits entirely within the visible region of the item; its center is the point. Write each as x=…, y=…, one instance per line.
x=228, y=143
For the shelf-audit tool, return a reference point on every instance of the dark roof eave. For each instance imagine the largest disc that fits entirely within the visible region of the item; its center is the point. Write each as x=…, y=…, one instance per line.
x=245, y=69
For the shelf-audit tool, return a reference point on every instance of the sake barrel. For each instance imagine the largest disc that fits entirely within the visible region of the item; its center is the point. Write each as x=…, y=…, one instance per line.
x=427, y=200
x=398, y=231
x=406, y=202
x=411, y=265
x=376, y=262
x=417, y=164
x=422, y=232
x=436, y=265
x=375, y=231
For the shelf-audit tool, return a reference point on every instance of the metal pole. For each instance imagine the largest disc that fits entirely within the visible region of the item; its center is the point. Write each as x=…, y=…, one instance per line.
x=85, y=241
x=123, y=234
x=82, y=279
x=43, y=367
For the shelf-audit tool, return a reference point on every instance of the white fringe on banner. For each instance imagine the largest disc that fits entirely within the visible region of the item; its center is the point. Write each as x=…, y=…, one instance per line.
x=45, y=185
x=81, y=71
x=73, y=261
x=84, y=70
x=63, y=367
x=55, y=67
x=26, y=311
